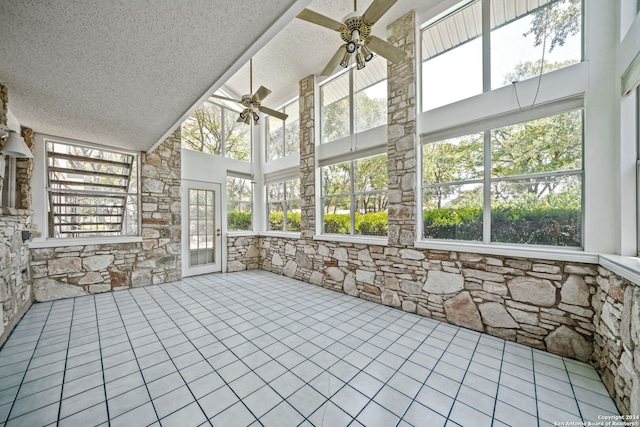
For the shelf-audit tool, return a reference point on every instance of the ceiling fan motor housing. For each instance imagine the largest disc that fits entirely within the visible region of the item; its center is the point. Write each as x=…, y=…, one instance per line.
x=352, y=22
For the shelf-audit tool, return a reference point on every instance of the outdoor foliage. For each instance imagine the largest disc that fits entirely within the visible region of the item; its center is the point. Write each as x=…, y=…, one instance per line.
x=542, y=226
x=370, y=224
x=238, y=221
x=276, y=221
x=203, y=132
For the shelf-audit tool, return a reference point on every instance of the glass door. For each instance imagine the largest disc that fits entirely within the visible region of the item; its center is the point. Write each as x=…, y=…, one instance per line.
x=201, y=228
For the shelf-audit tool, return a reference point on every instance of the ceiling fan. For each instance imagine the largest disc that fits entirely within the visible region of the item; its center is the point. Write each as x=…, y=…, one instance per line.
x=252, y=103
x=355, y=30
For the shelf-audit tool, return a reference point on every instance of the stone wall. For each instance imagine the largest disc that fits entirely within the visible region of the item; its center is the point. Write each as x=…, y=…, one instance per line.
x=24, y=172
x=242, y=253
x=66, y=271
x=15, y=288
x=307, y=157
x=401, y=130
x=617, y=338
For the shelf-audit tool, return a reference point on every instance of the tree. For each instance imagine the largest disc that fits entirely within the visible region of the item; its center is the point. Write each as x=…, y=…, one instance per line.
x=556, y=22
x=203, y=132
x=529, y=69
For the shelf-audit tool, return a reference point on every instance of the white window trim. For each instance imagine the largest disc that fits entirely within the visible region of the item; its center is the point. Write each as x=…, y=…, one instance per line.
x=39, y=194
x=284, y=134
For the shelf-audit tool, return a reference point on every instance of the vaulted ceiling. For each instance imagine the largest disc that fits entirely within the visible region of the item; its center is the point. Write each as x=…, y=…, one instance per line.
x=125, y=73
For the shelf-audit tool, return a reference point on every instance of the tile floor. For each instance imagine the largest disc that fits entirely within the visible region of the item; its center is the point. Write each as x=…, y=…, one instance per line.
x=255, y=348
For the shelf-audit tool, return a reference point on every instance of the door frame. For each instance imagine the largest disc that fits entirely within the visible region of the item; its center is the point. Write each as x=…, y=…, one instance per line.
x=215, y=267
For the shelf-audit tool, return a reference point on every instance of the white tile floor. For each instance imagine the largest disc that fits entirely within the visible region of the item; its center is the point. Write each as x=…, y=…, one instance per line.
x=255, y=348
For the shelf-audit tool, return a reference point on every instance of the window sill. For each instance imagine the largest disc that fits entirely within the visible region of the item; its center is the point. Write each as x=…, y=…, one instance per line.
x=624, y=266
x=378, y=241
x=554, y=254
x=244, y=233
x=285, y=234
x=55, y=243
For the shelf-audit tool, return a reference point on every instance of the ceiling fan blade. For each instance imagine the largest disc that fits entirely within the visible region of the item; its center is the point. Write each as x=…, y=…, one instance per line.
x=274, y=113
x=225, y=98
x=316, y=18
x=334, y=61
x=260, y=94
x=385, y=49
x=376, y=10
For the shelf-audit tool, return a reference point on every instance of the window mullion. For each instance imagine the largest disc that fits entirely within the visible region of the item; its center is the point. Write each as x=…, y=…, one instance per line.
x=352, y=110
x=486, y=45
x=352, y=201
x=223, y=132
x=486, y=210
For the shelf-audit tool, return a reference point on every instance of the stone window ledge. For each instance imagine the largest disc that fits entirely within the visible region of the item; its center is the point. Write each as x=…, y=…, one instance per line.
x=7, y=211
x=285, y=234
x=521, y=251
x=378, y=241
x=55, y=243
x=624, y=266
x=241, y=233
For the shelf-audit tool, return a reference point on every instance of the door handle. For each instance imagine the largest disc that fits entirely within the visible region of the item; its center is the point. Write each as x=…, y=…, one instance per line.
x=218, y=234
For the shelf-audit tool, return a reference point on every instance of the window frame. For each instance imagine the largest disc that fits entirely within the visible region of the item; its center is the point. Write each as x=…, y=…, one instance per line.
x=488, y=177
x=250, y=201
x=485, y=37
x=284, y=201
x=48, y=232
x=284, y=132
x=353, y=194
x=351, y=96
x=223, y=134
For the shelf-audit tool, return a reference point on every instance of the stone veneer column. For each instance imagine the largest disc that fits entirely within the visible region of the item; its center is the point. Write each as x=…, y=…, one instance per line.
x=24, y=171
x=307, y=157
x=160, y=260
x=401, y=143
x=4, y=110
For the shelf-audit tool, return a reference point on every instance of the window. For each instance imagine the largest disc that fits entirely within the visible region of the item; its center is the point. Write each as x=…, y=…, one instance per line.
x=525, y=38
x=239, y=203
x=516, y=183
x=357, y=94
x=354, y=197
x=283, y=136
x=202, y=248
x=91, y=192
x=214, y=129
x=283, y=205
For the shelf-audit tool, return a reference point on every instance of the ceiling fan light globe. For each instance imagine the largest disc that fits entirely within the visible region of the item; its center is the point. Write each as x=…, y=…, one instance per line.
x=345, y=60
x=360, y=63
x=351, y=47
x=368, y=55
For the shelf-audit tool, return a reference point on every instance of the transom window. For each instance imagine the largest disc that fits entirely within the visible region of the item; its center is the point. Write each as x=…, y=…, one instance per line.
x=283, y=136
x=354, y=197
x=215, y=129
x=354, y=101
x=516, y=183
x=283, y=205
x=91, y=192
x=522, y=39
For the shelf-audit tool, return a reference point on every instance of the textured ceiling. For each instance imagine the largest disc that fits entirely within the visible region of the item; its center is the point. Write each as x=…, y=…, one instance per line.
x=122, y=73
x=303, y=48
x=125, y=73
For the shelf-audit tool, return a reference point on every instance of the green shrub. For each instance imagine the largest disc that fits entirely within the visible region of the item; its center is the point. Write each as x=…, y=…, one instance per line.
x=276, y=221
x=372, y=224
x=337, y=223
x=539, y=226
x=238, y=221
